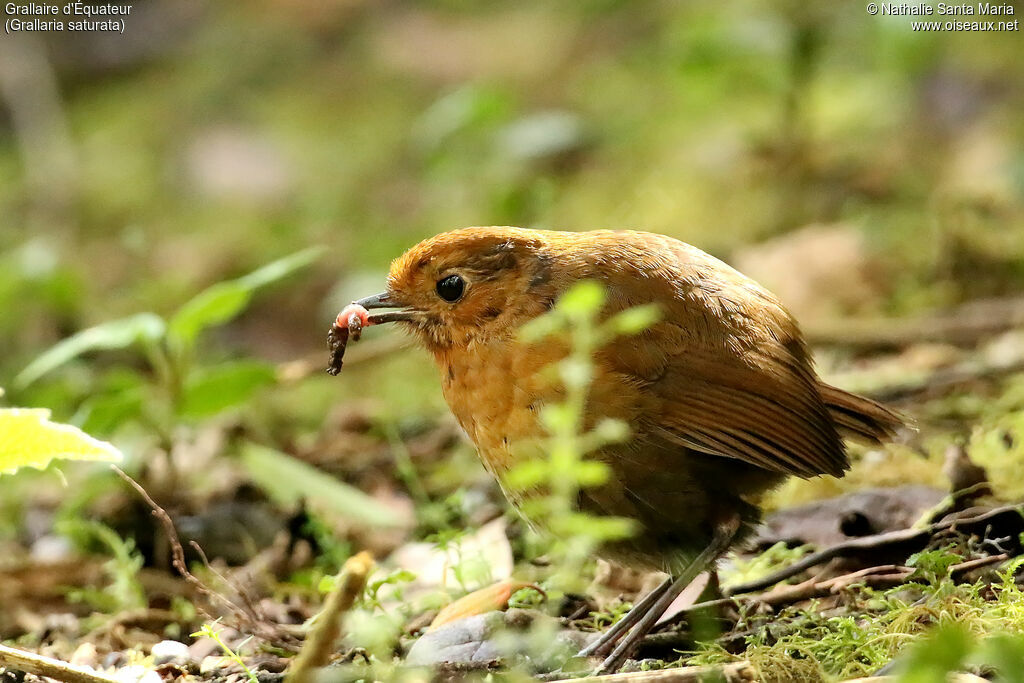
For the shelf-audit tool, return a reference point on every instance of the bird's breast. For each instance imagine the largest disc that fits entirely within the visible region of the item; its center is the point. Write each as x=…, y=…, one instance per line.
x=498, y=391
x=495, y=392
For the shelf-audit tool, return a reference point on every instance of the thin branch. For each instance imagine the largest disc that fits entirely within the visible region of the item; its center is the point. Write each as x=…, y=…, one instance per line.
x=29, y=662
x=246, y=620
x=910, y=537
x=733, y=672
x=946, y=379
x=177, y=552
x=969, y=565
x=852, y=547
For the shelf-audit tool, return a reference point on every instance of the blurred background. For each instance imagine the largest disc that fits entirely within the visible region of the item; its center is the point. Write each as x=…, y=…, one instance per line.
x=867, y=173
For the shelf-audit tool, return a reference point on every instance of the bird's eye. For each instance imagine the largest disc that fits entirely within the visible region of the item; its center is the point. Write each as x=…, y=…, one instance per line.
x=450, y=288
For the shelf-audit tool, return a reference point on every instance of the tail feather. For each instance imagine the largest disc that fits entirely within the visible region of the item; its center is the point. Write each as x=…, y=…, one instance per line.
x=861, y=417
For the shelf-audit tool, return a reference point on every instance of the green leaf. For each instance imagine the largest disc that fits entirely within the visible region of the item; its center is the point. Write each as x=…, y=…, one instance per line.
x=223, y=301
x=213, y=306
x=541, y=327
x=120, y=398
x=576, y=372
x=939, y=652
x=224, y=386
x=29, y=439
x=583, y=298
x=634, y=320
x=557, y=417
x=589, y=526
x=103, y=414
x=280, y=269
x=289, y=481
x=115, y=334
x=591, y=473
x=527, y=474
x=1005, y=653
x=610, y=430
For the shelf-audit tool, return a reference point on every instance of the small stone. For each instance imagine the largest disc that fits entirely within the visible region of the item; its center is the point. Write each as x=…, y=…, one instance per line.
x=85, y=655
x=213, y=663
x=136, y=674
x=112, y=660
x=170, y=652
x=51, y=549
x=467, y=640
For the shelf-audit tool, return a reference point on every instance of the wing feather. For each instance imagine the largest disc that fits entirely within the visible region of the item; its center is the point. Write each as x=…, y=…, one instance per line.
x=725, y=372
x=766, y=419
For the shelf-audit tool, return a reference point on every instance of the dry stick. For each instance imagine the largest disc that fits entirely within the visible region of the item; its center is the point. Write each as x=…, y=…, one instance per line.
x=873, y=542
x=178, y=555
x=978, y=562
x=875, y=577
x=249, y=612
x=839, y=550
x=320, y=643
x=29, y=662
x=734, y=672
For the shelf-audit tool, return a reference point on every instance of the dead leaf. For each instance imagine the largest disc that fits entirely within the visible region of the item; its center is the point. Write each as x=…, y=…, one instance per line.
x=494, y=597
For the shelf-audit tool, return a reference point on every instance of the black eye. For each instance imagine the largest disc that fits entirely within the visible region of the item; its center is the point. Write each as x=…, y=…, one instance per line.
x=450, y=288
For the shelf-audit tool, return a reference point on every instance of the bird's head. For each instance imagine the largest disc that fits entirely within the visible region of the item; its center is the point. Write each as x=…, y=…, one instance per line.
x=468, y=286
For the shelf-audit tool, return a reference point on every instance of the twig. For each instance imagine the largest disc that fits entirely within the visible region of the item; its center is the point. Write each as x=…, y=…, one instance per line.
x=733, y=672
x=29, y=662
x=252, y=622
x=320, y=644
x=839, y=550
x=918, y=537
x=177, y=552
x=876, y=577
x=977, y=563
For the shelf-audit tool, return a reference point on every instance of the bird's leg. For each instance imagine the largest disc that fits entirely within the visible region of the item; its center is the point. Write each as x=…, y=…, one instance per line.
x=606, y=642
x=724, y=533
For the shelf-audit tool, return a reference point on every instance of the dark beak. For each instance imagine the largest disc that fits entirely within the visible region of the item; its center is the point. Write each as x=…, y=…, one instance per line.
x=376, y=301
x=383, y=300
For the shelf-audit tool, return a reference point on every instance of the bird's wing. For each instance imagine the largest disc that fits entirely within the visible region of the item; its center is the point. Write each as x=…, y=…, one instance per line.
x=724, y=372
x=768, y=414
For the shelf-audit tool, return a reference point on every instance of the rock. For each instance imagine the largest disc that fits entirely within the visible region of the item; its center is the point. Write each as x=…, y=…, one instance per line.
x=170, y=652
x=497, y=637
x=465, y=640
x=136, y=674
x=834, y=520
x=51, y=548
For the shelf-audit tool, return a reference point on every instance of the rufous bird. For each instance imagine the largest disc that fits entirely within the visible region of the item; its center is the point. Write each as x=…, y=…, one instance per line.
x=720, y=394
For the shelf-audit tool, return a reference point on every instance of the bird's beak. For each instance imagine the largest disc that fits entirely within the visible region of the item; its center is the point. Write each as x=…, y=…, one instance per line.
x=383, y=300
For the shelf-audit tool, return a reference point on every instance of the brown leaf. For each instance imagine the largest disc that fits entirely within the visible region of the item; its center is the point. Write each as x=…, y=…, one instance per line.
x=494, y=597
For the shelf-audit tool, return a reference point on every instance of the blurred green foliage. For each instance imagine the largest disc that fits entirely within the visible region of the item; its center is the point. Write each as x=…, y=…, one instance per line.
x=250, y=130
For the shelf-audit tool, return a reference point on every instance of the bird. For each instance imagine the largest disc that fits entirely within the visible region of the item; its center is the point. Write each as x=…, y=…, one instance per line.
x=720, y=394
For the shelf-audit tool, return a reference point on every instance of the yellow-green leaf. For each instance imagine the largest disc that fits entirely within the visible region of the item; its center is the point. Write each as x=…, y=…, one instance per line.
x=29, y=439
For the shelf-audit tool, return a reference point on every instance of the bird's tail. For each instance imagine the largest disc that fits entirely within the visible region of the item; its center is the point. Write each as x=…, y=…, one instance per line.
x=861, y=417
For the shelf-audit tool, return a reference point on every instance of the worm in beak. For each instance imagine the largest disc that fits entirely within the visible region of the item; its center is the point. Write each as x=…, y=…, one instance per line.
x=353, y=318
